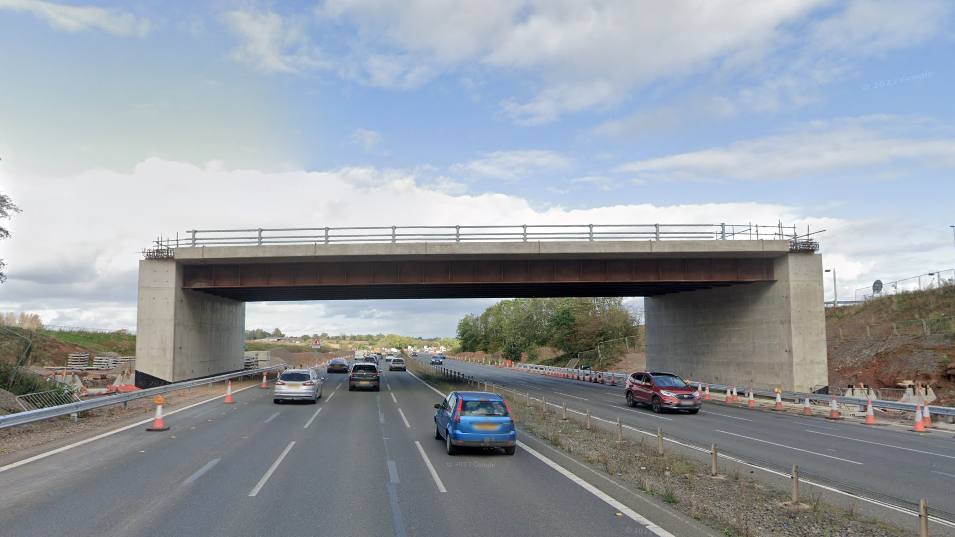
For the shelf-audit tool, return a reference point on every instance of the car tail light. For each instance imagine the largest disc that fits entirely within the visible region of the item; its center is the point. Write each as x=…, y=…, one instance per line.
x=457, y=411
x=308, y=383
x=508, y=407
x=279, y=383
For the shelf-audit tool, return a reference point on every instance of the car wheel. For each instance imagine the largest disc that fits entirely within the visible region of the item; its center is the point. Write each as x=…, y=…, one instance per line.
x=656, y=404
x=276, y=401
x=630, y=401
x=437, y=432
x=694, y=411
x=452, y=449
x=510, y=450
x=377, y=388
x=351, y=388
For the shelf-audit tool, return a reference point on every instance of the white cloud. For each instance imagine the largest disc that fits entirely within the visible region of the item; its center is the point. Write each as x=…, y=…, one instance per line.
x=848, y=145
x=513, y=165
x=367, y=139
x=593, y=54
x=82, y=18
x=271, y=44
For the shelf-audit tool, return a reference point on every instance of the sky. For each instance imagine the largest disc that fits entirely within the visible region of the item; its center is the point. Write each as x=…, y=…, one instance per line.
x=122, y=122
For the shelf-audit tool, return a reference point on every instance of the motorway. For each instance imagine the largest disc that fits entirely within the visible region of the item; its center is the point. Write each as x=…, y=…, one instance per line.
x=888, y=460
x=356, y=463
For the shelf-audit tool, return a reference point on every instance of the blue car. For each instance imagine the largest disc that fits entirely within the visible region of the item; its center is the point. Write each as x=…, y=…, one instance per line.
x=478, y=419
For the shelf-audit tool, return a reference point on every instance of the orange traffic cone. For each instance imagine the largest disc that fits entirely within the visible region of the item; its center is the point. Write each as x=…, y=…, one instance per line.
x=729, y=397
x=158, y=425
x=735, y=396
x=779, y=401
x=751, y=402
x=264, y=384
x=834, y=409
x=869, y=414
x=806, y=409
x=919, y=426
x=926, y=417
x=228, y=393
x=706, y=394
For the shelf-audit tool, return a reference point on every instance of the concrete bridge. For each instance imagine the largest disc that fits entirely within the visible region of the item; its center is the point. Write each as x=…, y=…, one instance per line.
x=725, y=311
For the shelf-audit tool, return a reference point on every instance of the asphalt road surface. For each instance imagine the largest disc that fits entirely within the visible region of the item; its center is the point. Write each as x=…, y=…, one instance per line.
x=356, y=463
x=888, y=460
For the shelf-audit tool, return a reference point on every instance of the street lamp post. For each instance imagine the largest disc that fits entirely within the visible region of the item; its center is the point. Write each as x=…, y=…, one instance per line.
x=835, y=289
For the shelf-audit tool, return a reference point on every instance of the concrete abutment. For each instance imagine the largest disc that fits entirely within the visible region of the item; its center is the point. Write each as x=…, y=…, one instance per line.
x=767, y=334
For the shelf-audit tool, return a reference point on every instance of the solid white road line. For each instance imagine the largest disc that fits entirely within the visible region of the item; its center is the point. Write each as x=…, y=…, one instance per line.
x=310, y=420
x=393, y=398
x=789, y=447
x=201, y=471
x=642, y=413
x=574, y=396
x=329, y=398
x=419, y=380
x=427, y=462
x=656, y=530
x=271, y=470
x=883, y=445
x=404, y=419
x=17, y=464
x=273, y=417
x=726, y=416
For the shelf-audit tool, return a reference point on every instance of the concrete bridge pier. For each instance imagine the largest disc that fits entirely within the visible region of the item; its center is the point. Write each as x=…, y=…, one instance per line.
x=767, y=334
x=184, y=334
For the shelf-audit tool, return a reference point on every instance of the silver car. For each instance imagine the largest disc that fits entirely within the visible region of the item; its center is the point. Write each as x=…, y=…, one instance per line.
x=298, y=385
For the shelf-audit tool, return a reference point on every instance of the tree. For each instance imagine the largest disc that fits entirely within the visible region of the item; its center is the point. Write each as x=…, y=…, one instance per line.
x=277, y=333
x=7, y=210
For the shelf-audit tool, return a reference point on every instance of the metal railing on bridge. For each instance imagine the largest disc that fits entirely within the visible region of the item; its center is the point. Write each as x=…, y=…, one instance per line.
x=458, y=233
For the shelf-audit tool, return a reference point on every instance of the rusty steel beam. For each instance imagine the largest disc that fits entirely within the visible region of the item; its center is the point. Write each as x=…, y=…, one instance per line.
x=463, y=279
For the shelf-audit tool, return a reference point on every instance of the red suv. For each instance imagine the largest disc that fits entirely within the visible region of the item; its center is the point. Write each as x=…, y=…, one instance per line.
x=662, y=391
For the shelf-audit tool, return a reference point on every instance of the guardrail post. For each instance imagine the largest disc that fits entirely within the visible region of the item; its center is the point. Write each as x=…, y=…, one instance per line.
x=543, y=404
x=923, y=518
x=393, y=234
x=723, y=231
x=326, y=235
x=457, y=233
x=657, y=227
x=528, y=398
x=260, y=237
x=563, y=415
x=591, y=232
x=589, y=424
x=795, y=484
x=193, y=233
x=660, y=440
x=713, y=471
x=525, y=232
x=619, y=430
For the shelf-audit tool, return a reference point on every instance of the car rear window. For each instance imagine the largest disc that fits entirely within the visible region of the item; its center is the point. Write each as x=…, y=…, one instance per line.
x=364, y=367
x=398, y=361
x=294, y=377
x=483, y=408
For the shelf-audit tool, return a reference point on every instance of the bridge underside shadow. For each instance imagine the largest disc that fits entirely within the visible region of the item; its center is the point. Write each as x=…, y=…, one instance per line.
x=748, y=316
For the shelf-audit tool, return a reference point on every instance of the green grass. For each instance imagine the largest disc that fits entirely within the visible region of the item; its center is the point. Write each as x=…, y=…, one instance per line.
x=123, y=344
x=265, y=346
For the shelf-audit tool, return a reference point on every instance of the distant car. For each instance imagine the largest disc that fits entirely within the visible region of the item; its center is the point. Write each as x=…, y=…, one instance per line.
x=662, y=391
x=585, y=367
x=436, y=360
x=389, y=358
x=370, y=359
x=478, y=419
x=414, y=354
x=364, y=375
x=397, y=364
x=298, y=385
x=337, y=365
